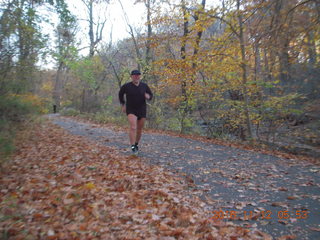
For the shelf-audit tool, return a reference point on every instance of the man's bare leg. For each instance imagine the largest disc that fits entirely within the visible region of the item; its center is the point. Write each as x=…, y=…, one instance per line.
x=132, y=128
x=140, y=125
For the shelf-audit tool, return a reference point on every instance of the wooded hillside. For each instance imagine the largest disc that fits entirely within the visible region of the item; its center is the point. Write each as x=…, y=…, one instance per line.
x=245, y=69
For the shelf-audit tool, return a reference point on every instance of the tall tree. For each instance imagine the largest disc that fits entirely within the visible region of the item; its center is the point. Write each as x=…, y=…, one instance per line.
x=66, y=31
x=7, y=48
x=96, y=25
x=23, y=42
x=96, y=20
x=133, y=37
x=244, y=68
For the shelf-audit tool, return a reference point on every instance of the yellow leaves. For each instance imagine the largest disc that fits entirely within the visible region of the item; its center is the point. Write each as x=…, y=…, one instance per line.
x=89, y=186
x=47, y=87
x=163, y=20
x=133, y=157
x=31, y=99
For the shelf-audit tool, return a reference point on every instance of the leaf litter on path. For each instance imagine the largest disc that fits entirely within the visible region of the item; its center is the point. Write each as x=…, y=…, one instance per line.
x=60, y=186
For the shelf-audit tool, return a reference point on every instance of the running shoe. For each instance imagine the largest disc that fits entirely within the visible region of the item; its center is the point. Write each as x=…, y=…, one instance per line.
x=134, y=150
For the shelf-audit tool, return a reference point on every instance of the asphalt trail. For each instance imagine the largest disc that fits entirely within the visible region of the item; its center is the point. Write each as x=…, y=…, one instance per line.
x=282, y=195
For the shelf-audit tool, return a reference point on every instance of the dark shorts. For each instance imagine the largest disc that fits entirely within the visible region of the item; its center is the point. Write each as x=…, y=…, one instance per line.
x=139, y=113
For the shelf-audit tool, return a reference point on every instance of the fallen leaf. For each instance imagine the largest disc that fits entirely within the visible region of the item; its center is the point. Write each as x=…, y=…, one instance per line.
x=89, y=185
x=292, y=197
x=287, y=237
x=314, y=229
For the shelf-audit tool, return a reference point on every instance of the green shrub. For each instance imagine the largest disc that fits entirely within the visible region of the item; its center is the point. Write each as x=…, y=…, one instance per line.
x=14, y=110
x=6, y=140
x=6, y=146
x=69, y=112
x=108, y=117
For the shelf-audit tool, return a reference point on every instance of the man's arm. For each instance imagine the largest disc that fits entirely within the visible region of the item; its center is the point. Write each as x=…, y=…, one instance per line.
x=121, y=95
x=148, y=95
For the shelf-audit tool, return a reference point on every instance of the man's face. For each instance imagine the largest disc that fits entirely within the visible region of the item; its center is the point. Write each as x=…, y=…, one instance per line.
x=135, y=78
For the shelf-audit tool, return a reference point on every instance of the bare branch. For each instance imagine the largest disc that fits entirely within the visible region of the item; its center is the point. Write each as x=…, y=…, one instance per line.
x=226, y=22
x=131, y=32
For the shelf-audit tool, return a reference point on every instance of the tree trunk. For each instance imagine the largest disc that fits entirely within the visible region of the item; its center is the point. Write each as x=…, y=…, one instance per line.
x=149, y=31
x=95, y=34
x=266, y=68
x=244, y=71
x=183, y=47
x=91, y=37
x=257, y=68
x=199, y=33
x=284, y=61
x=312, y=49
x=58, y=87
x=183, y=56
x=136, y=47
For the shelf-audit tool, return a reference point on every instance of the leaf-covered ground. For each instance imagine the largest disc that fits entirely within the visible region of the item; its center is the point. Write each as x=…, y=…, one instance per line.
x=61, y=186
x=281, y=191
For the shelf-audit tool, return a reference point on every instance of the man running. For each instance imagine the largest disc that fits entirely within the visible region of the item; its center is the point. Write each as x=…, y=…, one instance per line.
x=135, y=106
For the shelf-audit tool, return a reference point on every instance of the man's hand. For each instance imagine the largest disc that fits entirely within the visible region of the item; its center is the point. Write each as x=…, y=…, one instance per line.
x=147, y=96
x=123, y=108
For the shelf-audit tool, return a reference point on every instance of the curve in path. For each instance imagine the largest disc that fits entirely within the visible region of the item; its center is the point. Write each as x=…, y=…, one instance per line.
x=281, y=195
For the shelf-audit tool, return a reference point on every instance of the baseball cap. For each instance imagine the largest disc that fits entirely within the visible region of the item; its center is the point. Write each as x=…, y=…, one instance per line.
x=135, y=72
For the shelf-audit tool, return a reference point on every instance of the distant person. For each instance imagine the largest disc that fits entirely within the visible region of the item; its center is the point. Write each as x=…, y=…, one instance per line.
x=135, y=106
x=54, y=108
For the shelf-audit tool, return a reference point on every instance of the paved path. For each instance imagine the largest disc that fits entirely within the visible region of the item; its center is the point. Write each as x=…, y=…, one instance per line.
x=286, y=191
